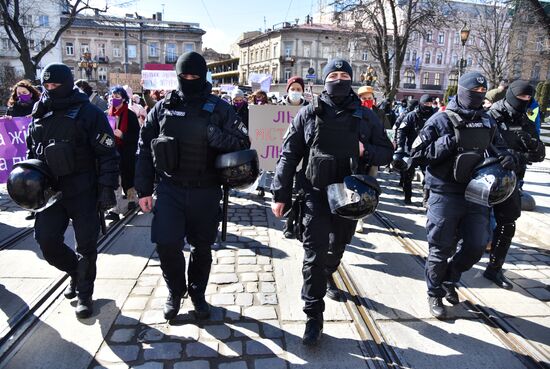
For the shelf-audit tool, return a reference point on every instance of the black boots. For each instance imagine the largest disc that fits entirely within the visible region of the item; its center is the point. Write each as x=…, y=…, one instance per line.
x=314, y=328
x=502, y=239
x=84, y=308
x=333, y=292
x=70, y=291
x=172, y=306
x=202, y=309
x=451, y=295
x=497, y=276
x=437, y=309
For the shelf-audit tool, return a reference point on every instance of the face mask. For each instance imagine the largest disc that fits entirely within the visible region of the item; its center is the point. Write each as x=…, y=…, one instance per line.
x=116, y=102
x=60, y=92
x=239, y=104
x=191, y=87
x=519, y=105
x=136, y=101
x=25, y=99
x=259, y=102
x=470, y=99
x=368, y=103
x=295, y=97
x=338, y=88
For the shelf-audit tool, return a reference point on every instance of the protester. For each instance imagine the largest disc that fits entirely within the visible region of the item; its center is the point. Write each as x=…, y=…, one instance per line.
x=259, y=97
x=240, y=105
x=93, y=96
x=294, y=92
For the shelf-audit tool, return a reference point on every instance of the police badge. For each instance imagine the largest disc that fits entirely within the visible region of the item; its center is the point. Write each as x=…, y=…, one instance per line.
x=338, y=64
x=46, y=76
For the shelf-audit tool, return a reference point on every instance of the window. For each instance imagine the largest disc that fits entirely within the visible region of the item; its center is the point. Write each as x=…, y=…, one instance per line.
x=429, y=36
x=26, y=20
x=116, y=51
x=539, y=43
x=32, y=44
x=84, y=48
x=69, y=48
x=535, y=72
x=44, y=43
x=101, y=49
x=365, y=56
x=307, y=51
x=409, y=76
x=517, y=69
x=456, y=40
x=102, y=74
x=408, y=55
x=154, y=49
x=454, y=60
x=426, y=79
x=471, y=39
x=188, y=46
x=469, y=61
x=171, y=53
x=267, y=53
x=439, y=58
x=132, y=51
x=414, y=56
x=261, y=55
x=437, y=79
x=453, y=79
x=244, y=57
x=427, y=57
x=441, y=38
x=288, y=73
x=288, y=49
x=521, y=41
x=326, y=52
x=43, y=20
x=275, y=50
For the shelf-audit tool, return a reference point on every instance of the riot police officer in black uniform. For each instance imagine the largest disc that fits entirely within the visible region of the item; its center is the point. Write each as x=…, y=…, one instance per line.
x=179, y=142
x=76, y=141
x=453, y=143
x=406, y=133
x=332, y=135
x=523, y=140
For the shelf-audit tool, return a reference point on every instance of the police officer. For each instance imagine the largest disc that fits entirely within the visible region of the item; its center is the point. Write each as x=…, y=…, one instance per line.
x=179, y=142
x=332, y=135
x=523, y=140
x=452, y=143
x=406, y=133
x=76, y=141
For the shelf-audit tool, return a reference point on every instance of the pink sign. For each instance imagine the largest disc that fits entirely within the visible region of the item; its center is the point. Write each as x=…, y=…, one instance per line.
x=13, y=147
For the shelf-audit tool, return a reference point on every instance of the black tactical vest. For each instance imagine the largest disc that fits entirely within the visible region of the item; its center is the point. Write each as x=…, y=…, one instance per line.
x=509, y=128
x=60, y=140
x=335, y=147
x=189, y=127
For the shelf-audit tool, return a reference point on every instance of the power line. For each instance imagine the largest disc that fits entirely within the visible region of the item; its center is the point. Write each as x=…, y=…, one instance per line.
x=207, y=13
x=288, y=10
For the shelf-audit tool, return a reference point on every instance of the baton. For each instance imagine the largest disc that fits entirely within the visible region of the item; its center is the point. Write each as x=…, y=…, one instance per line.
x=225, y=206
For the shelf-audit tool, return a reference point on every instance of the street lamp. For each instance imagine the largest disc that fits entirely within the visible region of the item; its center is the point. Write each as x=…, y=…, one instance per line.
x=87, y=64
x=369, y=77
x=464, y=34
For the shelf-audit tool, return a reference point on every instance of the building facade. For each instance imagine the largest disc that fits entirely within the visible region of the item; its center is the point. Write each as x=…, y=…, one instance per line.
x=96, y=46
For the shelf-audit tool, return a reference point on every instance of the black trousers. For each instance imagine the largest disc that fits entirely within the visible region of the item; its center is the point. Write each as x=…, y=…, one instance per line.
x=180, y=213
x=323, y=231
x=49, y=229
x=506, y=214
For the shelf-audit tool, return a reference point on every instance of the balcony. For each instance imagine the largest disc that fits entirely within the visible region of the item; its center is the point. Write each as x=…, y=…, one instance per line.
x=287, y=59
x=101, y=59
x=432, y=87
x=410, y=86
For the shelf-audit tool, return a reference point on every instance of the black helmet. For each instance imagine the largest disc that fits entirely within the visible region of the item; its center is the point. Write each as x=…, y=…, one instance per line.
x=400, y=161
x=354, y=199
x=491, y=184
x=238, y=169
x=30, y=185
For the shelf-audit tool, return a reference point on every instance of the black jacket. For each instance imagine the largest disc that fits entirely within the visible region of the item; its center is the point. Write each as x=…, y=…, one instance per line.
x=19, y=109
x=226, y=136
x=299, y=138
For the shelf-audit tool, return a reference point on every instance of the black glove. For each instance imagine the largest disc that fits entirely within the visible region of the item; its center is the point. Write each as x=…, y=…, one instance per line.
x=527, y=140
x=507, y=162
x=106, y=198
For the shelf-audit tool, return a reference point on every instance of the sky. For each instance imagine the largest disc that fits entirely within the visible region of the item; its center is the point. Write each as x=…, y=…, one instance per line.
x=222, y=20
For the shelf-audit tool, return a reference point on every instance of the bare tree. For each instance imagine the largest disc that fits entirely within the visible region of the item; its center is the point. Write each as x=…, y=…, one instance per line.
x=19, y=31
x=8, y=78
x=386, y=26
x=540, y=13
x=493, y=32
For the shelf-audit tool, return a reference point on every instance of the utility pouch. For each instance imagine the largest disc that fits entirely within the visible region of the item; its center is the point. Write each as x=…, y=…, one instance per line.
x=60, y=157
x=464, y=166
x=165, y=153
x=322, y=169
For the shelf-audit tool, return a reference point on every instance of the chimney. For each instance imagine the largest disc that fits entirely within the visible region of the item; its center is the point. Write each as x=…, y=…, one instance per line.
x=159, y=16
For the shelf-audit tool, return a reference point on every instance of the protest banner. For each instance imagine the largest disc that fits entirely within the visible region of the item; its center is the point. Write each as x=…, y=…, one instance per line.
x=132, y=80
x=267, y=127
x=13, y=148
x=159, y=80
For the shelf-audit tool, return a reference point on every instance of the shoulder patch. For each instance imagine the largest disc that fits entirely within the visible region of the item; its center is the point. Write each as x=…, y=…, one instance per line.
x=106, y=140
x=242, y=128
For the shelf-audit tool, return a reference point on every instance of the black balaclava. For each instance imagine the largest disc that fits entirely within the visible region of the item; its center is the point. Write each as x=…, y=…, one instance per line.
x=425, y=110
x=339, y=89
x=517, y=88
x=58, y=73
x=191, y=63
x=467, y=98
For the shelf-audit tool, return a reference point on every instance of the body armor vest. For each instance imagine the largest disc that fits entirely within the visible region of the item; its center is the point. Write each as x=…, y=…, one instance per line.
x=335, y=148
x=191, y=160
x=473, y=138
x=61, y=142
